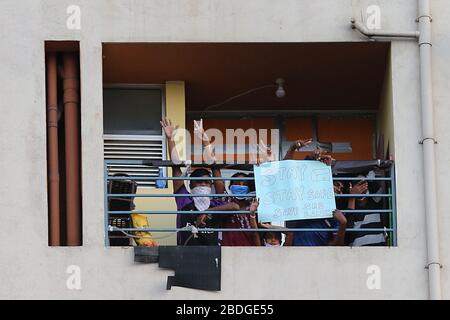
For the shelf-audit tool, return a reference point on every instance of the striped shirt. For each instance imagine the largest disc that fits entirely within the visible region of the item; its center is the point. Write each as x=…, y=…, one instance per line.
x=366, y=221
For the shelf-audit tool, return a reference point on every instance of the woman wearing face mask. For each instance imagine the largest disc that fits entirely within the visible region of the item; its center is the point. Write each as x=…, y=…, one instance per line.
x=238, y=190
x=199, y=203
x=197, y=187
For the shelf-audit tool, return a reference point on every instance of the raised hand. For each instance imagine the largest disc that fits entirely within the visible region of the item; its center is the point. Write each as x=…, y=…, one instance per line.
x=253, y=207
x=200, y=132
x=338, y=187
x=297, y=145
x=266, y=154
x=168, y=128
x=324, y=156
x=266, y=225
x=209, y=153
x=359, y=188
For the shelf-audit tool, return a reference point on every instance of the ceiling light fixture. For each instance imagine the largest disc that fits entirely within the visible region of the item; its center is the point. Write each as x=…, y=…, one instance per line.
x=279, y=93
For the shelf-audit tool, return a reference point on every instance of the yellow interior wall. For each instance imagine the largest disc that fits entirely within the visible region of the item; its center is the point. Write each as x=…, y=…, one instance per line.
x=175, y=111
x=159, y=220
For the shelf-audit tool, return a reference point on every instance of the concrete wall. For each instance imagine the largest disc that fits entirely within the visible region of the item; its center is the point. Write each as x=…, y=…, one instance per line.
x=30, y=269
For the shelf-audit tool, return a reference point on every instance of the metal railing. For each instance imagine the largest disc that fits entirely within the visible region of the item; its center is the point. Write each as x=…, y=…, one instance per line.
x=390, y=204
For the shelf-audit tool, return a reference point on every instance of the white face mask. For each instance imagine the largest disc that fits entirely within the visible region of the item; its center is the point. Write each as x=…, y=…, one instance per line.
x=270, y=245
x=201, y=203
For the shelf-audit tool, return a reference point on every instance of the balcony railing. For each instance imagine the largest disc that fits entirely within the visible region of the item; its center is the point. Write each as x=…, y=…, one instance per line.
x=342, y=171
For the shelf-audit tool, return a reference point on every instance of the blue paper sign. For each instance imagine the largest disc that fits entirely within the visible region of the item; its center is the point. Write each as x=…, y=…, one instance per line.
x=294, y=190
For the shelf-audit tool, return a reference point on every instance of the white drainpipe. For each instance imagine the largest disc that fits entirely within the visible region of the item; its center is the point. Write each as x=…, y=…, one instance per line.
x=426, y=96
x=385, y=34
x=433, y=264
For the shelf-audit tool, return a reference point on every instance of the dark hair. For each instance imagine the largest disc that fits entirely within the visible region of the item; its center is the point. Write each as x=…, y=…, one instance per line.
x=276, y=235
x=251, y=183
x=120, y=174
x=374, y=186
x=201, y=172
x=238, y=174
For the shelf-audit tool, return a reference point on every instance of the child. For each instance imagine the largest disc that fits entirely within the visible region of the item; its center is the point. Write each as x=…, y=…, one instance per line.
x=272, y=239
x=275, y=238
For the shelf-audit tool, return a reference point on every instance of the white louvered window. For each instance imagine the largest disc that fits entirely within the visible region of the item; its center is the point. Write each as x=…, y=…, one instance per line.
x=131, y=115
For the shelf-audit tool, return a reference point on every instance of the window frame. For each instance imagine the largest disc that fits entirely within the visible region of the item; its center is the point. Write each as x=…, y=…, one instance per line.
x=138, y=86
x=138, y=137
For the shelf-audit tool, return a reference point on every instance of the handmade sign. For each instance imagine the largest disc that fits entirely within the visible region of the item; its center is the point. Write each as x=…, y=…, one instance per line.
x=294, y=190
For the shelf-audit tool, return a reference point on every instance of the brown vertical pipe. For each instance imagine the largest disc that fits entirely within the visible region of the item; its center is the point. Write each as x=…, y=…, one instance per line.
x=52, y=151
x=72, y=143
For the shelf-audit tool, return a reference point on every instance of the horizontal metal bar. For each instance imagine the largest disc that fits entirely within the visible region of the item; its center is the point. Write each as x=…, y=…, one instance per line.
x=132, y=157
x=129, y=165
x=179, y=212
x=124, y=144
x=232, y=179
x=133, y=152
x=227, y=212
x=367, y=211
x=300, y=110
x=203, y=230
x=370, y=195
x=133, y=137
x=183, y=178
x=142, y=176
x=361, y=179
x=136, y=166
x=136, y=171
x=221, y=195
x=125, y=162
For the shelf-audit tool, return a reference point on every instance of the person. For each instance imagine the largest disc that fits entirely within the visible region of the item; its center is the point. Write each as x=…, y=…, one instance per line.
x=273, y=238
x=339, y=221
x=339, y=188
x=320, y=238
x=372, y=220
x=238, y=190
x=270, y=238
x=197, y=187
